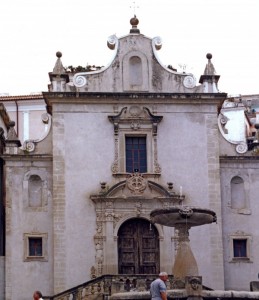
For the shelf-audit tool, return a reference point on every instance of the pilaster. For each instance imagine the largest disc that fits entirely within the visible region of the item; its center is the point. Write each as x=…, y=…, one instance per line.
x=214, y=200
x=59, y=203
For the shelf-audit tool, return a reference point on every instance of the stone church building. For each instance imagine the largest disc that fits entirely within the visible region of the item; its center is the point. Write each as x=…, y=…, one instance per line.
x=122, y=141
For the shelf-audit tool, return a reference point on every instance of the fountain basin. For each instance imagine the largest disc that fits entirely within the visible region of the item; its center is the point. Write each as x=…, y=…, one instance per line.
x=179, y=215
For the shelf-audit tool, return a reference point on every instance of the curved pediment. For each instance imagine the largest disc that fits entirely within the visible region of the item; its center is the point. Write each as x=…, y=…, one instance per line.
x=136, y=67
x=135, y=186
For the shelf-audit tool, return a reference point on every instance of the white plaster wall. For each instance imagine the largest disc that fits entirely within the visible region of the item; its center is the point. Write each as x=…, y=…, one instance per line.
x=239, y=274
x=89, y=151
x=29, y=275
x=226, y=148
x=33, y=111
x=182, y=151
x=88, y=145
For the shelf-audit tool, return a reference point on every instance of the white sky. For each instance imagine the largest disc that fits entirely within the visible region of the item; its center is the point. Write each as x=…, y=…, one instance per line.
x=31, y=31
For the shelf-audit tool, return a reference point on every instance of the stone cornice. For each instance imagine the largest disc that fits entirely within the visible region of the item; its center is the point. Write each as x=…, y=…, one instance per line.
x=24, y=157
x=239, y=159
x=121, y=98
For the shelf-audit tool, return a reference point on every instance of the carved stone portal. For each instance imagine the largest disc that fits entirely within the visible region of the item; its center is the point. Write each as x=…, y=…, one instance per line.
x=133, y=198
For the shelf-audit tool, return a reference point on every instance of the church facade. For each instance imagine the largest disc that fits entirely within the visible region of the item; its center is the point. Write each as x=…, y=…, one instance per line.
x=122, y=141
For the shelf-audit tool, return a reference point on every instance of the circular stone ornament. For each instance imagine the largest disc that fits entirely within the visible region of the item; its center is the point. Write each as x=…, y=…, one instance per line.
x=241, y=148
x=112, y=41
x=189, y=81
x=79, y=81
x=29, y=146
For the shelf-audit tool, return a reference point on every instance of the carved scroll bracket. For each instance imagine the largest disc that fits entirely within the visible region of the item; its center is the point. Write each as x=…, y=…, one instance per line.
x=154, y=119
x=116, y=120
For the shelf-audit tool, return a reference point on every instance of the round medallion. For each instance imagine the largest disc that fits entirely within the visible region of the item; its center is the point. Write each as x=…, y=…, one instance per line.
x=79, y=81
x=241, y=148
x=136, y=183
x=29, y=146
x=189, y=81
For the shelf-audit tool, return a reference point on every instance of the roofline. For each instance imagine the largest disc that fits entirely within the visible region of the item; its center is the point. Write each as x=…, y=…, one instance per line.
x=244, y=95
x=132, y=95
x=21, y=97
x=126, y=97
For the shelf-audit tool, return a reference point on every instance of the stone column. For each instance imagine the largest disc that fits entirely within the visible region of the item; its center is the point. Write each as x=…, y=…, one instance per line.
x=110, y=263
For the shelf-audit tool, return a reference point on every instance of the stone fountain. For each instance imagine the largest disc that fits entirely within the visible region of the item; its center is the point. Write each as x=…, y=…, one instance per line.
x=183, y=218
x=187, y=282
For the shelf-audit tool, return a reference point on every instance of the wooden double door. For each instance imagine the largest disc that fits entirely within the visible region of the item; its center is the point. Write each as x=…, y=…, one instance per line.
x=138, y=247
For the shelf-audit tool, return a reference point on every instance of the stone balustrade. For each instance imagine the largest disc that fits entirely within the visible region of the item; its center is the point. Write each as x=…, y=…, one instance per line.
x=120, y=287
x=106, y=285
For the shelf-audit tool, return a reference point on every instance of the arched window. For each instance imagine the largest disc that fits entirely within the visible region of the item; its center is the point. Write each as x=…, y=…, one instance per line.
x=135, y=71
x=237, y=193
x=35, y=191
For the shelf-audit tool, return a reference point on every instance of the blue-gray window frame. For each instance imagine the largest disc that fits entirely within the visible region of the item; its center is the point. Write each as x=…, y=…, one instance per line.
x=240, y=248
x=35, y=247
x=136, y=154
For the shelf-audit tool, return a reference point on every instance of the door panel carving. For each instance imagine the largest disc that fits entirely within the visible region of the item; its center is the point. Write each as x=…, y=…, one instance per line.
x=138, y=248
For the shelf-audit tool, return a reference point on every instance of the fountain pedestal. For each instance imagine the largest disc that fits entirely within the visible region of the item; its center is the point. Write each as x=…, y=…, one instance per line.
x=185, y=263
x=183, y=218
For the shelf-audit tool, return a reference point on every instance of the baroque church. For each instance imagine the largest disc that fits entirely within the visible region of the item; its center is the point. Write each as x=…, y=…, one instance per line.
x=121, y=141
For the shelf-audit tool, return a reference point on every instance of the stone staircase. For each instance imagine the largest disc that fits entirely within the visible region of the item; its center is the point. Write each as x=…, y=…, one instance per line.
x=101, y=288
x=116, y=287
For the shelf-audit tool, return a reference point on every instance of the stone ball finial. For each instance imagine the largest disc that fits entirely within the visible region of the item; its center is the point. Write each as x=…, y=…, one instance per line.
x=59, y=54
x=134, y=21
x=209, y=56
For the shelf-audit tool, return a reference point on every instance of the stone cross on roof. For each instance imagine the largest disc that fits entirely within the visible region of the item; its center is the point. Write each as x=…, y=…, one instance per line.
x=134, y=7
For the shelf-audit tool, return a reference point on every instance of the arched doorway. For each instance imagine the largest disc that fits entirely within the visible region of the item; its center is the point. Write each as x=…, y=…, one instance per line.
x=138, y=247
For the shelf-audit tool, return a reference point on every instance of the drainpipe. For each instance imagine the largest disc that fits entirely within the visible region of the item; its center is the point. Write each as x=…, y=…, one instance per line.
x=17, y=118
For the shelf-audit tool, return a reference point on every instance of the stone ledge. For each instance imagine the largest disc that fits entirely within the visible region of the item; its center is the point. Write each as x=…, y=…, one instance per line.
x=24, y=157
x=182, y=294
x=121, y=98
x=137, y=95
x=238, y=159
